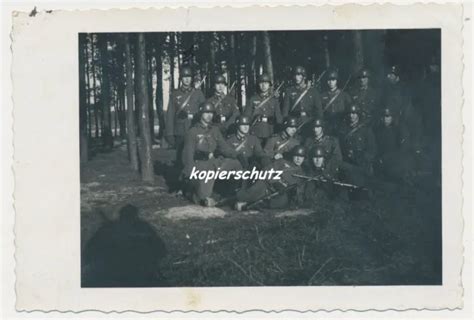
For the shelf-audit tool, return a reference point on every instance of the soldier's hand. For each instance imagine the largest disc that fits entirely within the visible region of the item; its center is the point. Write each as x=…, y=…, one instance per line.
x=278, y=156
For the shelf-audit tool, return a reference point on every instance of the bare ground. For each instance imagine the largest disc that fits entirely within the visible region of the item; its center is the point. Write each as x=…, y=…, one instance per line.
x=394, y=239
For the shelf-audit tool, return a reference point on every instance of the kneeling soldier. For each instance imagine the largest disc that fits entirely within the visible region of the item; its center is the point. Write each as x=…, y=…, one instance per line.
x=323, y=173
x=201, y=143
x=329, y=144
x=281, y=143
x=245, y=144
x=277, y=193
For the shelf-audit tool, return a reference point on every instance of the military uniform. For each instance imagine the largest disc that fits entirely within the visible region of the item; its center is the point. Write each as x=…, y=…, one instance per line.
x=262, y=188
x=316, y=191
x=182, y=108
x=366, y=99
x=308, y=106
x=335, y=104
x=329, y=144
x=358, y=145
x=394, y=159
x=264, y=116
x=246, y=145
x=279, y=143
x=200, y=146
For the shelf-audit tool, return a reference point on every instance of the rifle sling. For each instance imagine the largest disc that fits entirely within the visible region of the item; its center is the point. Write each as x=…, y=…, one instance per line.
x=300, y=98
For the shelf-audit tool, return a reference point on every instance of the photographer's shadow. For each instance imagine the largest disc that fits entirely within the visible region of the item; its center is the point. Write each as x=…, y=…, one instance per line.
x=123, y=253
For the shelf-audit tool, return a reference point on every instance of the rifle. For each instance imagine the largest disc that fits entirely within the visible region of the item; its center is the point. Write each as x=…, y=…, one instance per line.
x=337, y=183
x=268, y=197
x=320, y=77
x=339, y=93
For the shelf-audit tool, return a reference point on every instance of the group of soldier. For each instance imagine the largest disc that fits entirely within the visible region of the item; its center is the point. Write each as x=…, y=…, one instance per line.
x=327, y=144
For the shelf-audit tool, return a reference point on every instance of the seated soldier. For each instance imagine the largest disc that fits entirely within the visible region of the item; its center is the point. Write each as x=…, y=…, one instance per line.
x=278, y=192
x=201, y=143
x=325, y=171
x=358, y=148
x=245, y=144
x=281, y=143
x=329, y=144
x=393, y=161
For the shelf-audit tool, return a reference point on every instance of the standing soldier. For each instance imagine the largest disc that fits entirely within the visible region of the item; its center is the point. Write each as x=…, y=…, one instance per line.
x=264, y=110
x=224, y=104
x=279, y=144
x=394, y=159
x=277, y=191
x=183, y=106
x=335, y=102
x=365, y=96
x=245, y=144
x=201, y=143
x=302, y=100
x=399, y=99
x=330, y=144
x=358, y=147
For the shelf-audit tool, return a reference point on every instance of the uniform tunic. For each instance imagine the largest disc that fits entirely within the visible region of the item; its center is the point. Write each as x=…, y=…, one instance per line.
x=316, y=191
x=335, y=111
x=201, y=143
x=357, y=144
x=246, y=145
x=308, y=106
x=226, y=111
x=181, y=110
x=279, y=143
x=262, y=188
x=366, y=98
x=329, y=144
x=265, y=116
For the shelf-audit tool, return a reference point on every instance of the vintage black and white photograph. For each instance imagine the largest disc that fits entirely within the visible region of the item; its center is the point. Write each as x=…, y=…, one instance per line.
x=260, y=158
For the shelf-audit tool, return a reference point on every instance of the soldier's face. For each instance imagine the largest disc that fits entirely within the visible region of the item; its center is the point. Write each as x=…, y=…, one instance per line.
x=387, y=120
x=318, y=162
x=364, y=81
x=354, y=117
x=244, y=128
x=332, y=84
x=298, y=160
x=392, y=78
x=318, y=131
x=299, y=78
x=290, y=131
x=186, y=81
x=264, y=86
x=220, y=88
x=207, y=117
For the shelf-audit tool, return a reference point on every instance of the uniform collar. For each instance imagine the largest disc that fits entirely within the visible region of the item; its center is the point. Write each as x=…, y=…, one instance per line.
x=203, y=125
x=265, y=95
x=320, y=138
x=240, y=136
x=187, y=89
x=284, y=135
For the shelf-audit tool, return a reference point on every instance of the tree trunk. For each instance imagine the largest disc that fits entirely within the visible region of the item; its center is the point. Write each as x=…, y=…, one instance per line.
x=94, y=89
x=82, y=102
x=159, y=91
x=267, y=53
x=131, y=133
x=212, y=59
x=358, y=50
x=88, y=89
x=105, y=86
x=143, y=101
x=251, y=69
x=232, y=61
x=150, y=96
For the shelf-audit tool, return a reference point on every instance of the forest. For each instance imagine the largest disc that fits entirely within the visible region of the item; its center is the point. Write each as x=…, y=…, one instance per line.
x=125, y=81
x=140, y=70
